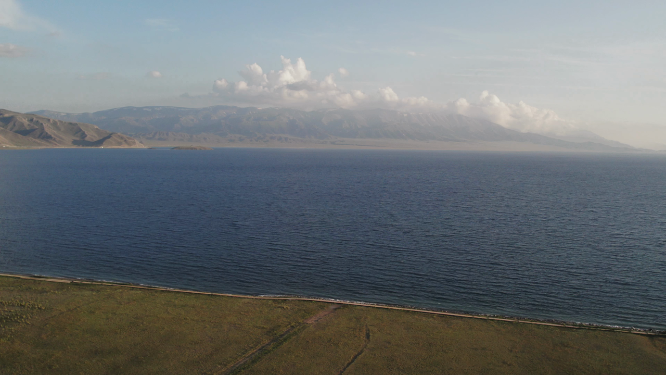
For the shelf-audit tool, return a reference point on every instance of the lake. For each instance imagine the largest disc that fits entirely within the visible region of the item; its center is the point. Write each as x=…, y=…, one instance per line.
x=574, y=237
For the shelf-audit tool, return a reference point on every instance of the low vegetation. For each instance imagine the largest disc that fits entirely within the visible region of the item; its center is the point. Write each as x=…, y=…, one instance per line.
x=77, y=328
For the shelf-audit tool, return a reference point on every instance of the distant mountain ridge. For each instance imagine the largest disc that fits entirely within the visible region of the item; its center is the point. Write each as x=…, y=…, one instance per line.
x=220, y=123
x=30, y=130
x=581, y=136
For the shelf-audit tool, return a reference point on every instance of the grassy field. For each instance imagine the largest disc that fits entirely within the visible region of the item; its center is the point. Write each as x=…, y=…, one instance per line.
x=73, y=328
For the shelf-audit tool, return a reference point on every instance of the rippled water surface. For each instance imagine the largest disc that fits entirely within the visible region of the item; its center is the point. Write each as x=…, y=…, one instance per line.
x=555, y=236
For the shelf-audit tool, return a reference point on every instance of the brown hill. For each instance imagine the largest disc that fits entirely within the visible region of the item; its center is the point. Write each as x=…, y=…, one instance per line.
x=28, y=130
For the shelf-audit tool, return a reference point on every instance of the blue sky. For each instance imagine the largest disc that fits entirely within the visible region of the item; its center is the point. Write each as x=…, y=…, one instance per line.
x=595, y=65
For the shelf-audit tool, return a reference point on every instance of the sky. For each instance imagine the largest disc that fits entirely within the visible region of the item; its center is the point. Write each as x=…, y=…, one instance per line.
x=546, y=67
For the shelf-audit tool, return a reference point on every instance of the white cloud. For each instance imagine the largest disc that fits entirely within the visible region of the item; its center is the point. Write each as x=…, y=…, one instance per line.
x=220, y=85
x=154, y=74
x=519, y=116
x=418, y=102
x=12, y=17
x=11, y=14
x=388, y=95
x=293, y=86
x=11, y=50
x=162, y=24
x=343, y=72
x=411, y=53
x=358, y=95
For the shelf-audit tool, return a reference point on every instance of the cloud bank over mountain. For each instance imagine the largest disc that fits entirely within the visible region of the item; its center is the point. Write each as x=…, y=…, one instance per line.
x=293, y=86
x=519, y=116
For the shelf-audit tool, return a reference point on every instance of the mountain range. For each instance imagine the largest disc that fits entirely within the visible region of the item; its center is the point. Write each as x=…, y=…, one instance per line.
x=220, y=125
x=30, y=130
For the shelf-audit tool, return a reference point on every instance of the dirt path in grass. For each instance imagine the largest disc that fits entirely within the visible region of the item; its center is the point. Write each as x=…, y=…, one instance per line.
x=322, y=314
x=246, y=361
x=358, y=354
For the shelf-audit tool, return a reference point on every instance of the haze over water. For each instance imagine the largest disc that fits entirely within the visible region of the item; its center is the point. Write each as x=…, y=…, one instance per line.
x=576, y=237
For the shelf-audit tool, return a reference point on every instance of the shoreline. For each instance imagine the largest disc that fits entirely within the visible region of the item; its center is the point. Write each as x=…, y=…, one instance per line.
x=510, y=319
x=374, y=144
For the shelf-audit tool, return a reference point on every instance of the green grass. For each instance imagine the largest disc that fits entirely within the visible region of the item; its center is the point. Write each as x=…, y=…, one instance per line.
x=72, y=328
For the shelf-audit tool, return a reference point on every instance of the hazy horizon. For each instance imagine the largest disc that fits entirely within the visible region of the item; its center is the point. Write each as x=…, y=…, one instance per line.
x=543, y=68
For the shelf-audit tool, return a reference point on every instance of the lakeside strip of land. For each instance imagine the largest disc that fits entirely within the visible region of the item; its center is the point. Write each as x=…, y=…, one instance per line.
x=544, y=322
x=64, y=326
x=371, y=144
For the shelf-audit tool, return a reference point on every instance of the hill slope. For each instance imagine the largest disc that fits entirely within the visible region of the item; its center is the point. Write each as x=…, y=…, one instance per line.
x=29, y=130
x=219, y=124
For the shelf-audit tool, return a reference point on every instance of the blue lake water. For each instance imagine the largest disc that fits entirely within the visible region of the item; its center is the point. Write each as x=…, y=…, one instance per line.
x=575, y=237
